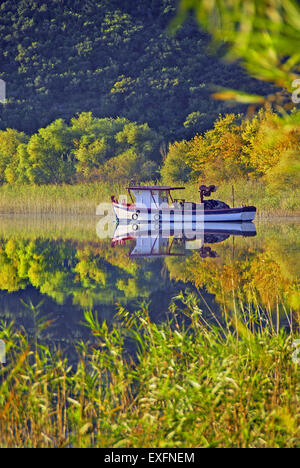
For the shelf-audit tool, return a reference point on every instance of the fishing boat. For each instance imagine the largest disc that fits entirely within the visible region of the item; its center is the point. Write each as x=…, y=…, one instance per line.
x=156, y=204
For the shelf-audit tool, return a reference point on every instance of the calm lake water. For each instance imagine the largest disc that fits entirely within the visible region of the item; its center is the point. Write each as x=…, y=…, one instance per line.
x=62, y=266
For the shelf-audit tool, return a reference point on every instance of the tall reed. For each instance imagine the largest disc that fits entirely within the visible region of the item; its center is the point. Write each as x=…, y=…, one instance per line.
x=185, y=383
x=82, y=199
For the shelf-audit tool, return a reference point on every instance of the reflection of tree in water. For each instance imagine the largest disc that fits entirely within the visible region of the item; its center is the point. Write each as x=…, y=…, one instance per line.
x=88, y=274
x=63, y=269
x=214, y=238
x=263, y=276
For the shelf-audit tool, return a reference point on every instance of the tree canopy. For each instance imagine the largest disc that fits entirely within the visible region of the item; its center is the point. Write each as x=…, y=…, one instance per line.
x=87, y=148
x=237, y=148
x=115, y=59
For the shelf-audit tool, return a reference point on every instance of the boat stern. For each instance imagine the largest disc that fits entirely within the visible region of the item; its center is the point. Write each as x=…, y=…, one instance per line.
x=248, y=213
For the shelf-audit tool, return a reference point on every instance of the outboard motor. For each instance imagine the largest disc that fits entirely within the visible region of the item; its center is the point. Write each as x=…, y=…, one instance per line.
x=210, y=204
x=206, y=191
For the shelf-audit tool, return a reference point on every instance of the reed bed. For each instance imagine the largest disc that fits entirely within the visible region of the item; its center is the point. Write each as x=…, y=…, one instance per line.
x=277, y=204
x=83, y=199
x=185, y=383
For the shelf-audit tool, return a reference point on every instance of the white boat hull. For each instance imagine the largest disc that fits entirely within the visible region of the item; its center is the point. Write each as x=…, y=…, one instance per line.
x=182, y=215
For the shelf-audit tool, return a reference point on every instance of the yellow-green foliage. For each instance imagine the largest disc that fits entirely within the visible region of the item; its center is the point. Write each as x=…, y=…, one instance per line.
x=175, y=167
x=262, y=270
x=238, y=149
x=10, y=140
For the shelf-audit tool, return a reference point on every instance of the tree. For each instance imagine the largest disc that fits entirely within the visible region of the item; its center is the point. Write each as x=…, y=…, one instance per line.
x=106, y=139
x=112, y=58
x=125, y=167
x=50, y=155
x=175, y=168
x=216, y=155
x=141, y=139
x=9, y=142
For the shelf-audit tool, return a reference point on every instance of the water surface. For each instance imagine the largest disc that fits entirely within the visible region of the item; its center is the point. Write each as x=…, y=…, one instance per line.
x=62, y=267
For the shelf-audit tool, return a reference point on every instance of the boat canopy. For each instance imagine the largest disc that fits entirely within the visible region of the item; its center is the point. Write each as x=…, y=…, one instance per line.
x=154, y=187
x=151, y=195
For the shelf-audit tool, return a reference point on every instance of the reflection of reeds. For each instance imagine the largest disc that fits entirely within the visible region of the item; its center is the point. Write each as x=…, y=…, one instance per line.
x=193, y=385
x=52, y=227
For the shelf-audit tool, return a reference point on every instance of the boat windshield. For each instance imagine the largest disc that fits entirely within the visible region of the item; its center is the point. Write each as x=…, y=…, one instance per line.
x=150, y=197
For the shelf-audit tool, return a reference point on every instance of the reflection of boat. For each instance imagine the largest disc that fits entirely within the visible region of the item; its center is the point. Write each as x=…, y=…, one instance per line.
x=159, y=239
x=156, y=204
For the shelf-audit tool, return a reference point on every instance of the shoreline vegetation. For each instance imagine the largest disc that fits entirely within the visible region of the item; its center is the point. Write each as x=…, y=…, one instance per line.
x=70, y=168
x=83, y=199
x=194, y=385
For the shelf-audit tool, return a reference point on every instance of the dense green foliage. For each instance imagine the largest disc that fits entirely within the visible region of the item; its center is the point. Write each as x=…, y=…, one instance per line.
x=89, y=148
x=114, y=59
x=264, y=36
x=98, y=92
x=119, y=151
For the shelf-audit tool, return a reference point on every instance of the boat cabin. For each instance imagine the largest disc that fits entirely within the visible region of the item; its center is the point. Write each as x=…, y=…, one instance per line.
x=154, y=196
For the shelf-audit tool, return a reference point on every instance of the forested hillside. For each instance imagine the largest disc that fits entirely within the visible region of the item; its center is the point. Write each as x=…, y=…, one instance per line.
x=112, y=58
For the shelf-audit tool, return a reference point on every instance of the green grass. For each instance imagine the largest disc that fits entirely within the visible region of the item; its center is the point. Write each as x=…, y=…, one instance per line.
x=189, y=386
x=82, y=199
